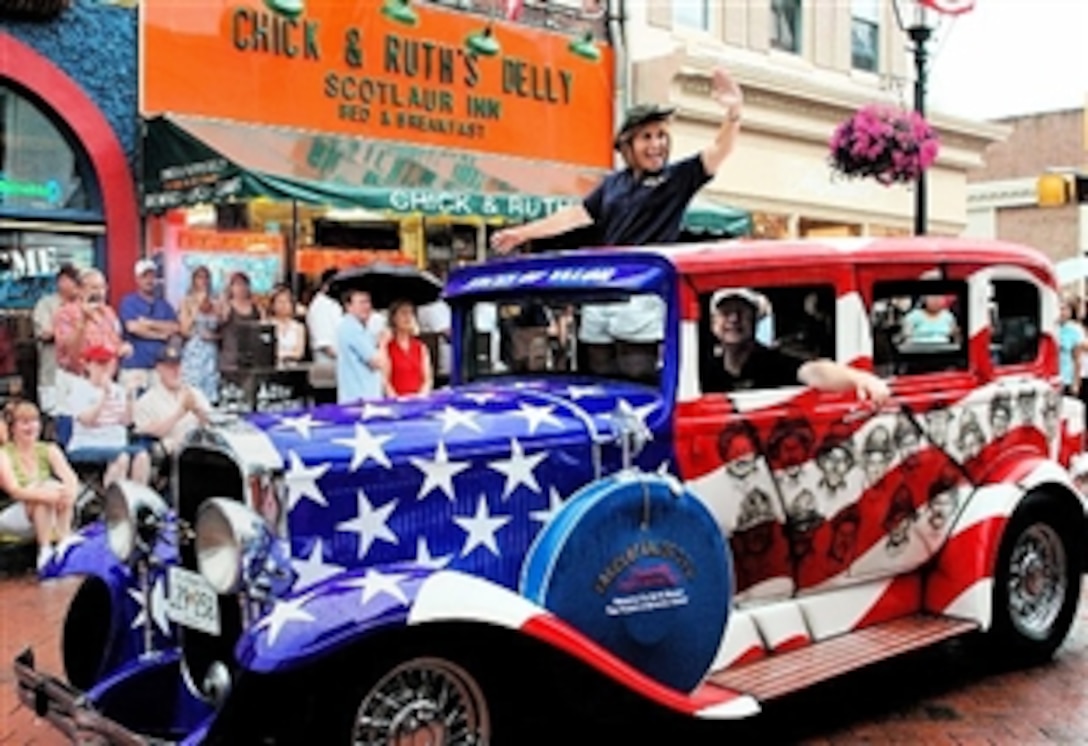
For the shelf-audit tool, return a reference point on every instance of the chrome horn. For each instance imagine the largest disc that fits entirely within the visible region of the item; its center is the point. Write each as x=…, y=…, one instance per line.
x=134, y=514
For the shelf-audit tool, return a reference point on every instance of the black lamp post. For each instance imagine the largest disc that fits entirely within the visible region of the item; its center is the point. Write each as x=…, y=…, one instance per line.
x=919, y=34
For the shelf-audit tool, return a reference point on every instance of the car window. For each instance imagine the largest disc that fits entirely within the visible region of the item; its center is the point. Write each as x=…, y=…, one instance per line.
x=618, y=335
x=1015, y=320
x=919, y=327
x=792, y=324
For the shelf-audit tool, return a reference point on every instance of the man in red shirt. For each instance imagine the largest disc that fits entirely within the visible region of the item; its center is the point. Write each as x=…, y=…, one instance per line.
x=82, y=324
x=87, y=322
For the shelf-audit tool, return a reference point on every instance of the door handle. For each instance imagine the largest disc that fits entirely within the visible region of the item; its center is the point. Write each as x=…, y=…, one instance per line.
x=865, y=411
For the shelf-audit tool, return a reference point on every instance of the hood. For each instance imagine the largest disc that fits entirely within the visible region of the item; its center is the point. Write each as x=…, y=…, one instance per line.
x=469, y=421
x=462, y=478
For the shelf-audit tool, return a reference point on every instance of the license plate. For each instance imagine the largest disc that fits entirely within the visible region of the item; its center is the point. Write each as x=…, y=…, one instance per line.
x=191, y=601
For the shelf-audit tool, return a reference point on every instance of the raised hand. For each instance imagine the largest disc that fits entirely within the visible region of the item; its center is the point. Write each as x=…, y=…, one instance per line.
x=726, y=91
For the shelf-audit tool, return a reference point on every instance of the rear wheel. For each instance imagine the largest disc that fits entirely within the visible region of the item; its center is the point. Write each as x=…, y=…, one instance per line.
x=423, y=701
x=1037, y=583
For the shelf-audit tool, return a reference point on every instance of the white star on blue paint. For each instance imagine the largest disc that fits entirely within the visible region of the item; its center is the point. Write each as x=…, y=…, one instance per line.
x=481, y=529
x=301, y=481
x=518, y=469
x=370, y=524
x=366, y=446
x=282, y=614
x=375, y=583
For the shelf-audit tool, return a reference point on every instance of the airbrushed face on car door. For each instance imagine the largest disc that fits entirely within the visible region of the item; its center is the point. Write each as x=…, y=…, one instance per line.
x=962, y=401
x=750, y=447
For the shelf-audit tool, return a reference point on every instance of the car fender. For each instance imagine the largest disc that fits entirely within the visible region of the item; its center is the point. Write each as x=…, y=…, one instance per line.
x=87, y=554
x=344, y=610
x=960, y=582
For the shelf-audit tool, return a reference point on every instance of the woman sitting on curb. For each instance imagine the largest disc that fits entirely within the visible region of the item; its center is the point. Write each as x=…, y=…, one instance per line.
x=38, y=477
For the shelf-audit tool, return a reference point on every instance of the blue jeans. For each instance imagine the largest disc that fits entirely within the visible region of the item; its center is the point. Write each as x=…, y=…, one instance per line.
x=98, y=454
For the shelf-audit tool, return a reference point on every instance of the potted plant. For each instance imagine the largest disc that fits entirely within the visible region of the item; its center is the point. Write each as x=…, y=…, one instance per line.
x=885, y=143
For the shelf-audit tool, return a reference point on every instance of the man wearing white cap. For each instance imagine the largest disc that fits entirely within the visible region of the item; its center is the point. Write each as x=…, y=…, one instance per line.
x=148, y=321
x=747, y=364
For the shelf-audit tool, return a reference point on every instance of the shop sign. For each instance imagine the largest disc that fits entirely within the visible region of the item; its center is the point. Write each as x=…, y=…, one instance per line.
x=348, y=68
x=28, y=273
x=209, y=180
x=49, y=192
x=509, y=206
x=22, y=264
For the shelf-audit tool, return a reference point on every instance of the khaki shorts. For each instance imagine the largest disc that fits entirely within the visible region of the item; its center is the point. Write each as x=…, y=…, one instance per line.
x=641, y=319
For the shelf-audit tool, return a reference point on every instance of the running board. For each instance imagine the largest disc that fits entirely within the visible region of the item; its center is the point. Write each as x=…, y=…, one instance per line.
x=778, y=675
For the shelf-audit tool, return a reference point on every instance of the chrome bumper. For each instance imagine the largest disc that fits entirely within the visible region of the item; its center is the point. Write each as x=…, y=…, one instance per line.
x=66, y=708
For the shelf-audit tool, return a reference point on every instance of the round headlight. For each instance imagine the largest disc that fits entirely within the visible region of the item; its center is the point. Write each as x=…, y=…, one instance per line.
x=226, y=533
x=133, y=514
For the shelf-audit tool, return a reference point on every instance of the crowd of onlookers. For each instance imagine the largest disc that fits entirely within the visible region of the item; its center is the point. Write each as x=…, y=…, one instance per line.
x=122, y=388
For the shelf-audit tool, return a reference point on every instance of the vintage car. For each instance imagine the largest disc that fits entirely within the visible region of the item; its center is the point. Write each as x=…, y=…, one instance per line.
x=585, y=493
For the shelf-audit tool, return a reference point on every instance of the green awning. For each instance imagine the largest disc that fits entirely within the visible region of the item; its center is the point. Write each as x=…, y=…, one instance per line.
x=707, y=218
x=189, y=160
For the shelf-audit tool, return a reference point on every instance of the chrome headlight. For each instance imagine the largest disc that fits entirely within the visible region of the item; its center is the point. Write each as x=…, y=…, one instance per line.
x=227, y=534
x=134, y=514
x=236, y=550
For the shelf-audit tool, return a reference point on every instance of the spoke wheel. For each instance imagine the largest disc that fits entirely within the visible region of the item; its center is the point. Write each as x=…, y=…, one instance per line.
x=423, y=702
x=1037, y=581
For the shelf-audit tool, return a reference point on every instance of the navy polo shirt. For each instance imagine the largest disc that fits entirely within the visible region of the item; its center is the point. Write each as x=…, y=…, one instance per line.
x=632, y=212
x=144, y=351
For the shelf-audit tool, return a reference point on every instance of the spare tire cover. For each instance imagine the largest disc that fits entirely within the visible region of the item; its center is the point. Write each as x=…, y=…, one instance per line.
x=637, y=564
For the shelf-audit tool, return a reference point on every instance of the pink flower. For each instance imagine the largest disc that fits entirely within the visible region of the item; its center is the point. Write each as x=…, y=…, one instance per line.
x=883, y=142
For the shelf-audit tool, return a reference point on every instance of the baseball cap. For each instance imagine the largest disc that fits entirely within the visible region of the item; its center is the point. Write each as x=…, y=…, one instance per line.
x=639, y=115
x=171, y=351
x=754, y=299
x=145, y=265
x=99, y=354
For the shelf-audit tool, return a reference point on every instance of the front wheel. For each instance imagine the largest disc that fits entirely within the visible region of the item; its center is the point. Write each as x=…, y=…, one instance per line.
x=1037, y=583
x=423, y=701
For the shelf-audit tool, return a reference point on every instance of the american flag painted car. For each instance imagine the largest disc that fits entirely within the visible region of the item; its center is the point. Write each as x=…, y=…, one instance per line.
x=586, y=493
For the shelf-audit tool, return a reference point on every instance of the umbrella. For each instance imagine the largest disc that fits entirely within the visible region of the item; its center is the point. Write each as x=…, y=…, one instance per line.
x=1071, y=270
x=389, y=282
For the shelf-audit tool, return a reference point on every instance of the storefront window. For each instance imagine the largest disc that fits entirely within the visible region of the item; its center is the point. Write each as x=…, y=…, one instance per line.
x=450, y=246
x=29, y=261
x=39, y=168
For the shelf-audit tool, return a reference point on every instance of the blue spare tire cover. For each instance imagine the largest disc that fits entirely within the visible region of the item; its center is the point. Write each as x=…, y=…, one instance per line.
x=637, y=564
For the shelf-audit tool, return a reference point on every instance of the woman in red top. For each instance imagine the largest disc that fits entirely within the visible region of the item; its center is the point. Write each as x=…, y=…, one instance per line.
x=409, y=362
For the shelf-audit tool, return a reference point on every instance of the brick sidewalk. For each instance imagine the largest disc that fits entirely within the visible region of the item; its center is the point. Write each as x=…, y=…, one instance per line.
x=30, y=614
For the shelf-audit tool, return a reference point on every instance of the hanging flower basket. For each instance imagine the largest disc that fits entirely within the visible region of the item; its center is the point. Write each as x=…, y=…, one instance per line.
x=885, y=143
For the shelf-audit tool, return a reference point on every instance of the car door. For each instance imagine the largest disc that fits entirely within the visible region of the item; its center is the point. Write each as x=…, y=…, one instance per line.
x=751, y=453
x=916, y=458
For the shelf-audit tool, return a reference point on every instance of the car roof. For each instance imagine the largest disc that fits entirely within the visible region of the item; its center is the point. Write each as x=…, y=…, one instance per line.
x=697, y=258
x=716, y=256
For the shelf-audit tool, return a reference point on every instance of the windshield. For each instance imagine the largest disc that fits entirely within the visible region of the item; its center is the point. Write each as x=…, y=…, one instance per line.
x=619, y=335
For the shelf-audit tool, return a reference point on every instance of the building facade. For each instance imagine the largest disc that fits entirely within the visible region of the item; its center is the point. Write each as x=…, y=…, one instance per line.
x=68, y=146
x=804, y=69
x=1003, y=200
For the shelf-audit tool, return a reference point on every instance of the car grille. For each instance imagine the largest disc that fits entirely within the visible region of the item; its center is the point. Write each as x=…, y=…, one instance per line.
x=203, y=473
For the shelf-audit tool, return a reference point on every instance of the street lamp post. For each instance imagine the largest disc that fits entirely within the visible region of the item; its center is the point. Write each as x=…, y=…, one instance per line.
x=919, y=34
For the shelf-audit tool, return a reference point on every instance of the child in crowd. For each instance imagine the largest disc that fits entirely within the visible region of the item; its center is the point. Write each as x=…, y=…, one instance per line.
x=102, y=413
